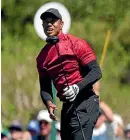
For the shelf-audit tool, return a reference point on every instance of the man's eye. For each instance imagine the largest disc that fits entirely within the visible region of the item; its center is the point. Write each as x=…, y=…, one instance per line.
x=52, y=21
x=49, y=21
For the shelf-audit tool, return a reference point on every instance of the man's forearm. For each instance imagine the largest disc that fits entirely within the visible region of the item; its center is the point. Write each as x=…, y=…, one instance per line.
x=46, y=97
x=93, y=76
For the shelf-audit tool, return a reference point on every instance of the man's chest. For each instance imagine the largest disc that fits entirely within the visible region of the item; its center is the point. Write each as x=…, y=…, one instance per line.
x=59, y=57
x=59, y=53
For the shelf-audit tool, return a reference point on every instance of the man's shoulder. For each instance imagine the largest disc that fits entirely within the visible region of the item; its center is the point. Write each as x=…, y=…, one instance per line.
x=42, y=53
x=79, y=43
x=72, y=37
x=76, y=39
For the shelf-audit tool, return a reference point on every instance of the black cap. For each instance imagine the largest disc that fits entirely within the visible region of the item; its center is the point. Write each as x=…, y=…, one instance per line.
x=52, y=11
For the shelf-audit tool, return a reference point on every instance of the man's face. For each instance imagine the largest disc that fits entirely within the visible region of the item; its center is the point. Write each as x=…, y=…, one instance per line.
x=45, y=128
x=128, y=135
x=15, y=134
x=52, y=25
x=4, y=137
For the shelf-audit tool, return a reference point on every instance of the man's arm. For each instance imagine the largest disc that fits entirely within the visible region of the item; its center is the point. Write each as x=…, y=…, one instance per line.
x=45, y=84
x=93, y=75
x=46, y=90
x=46, y=95
x=90, y=78
x=87, y=60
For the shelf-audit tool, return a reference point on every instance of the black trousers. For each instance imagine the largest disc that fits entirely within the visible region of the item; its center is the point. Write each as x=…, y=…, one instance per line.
x=87, y=107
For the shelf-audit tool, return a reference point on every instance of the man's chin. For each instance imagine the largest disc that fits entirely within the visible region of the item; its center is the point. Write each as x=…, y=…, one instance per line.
x=49, y=35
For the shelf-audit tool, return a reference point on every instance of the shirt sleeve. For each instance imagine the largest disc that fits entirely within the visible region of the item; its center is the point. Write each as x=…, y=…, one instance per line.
x=45, y=85
x=84, y=52
x=46, y=89
x=94, y=75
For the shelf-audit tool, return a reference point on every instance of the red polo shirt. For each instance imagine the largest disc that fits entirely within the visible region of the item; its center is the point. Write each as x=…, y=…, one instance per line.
x=71, y=52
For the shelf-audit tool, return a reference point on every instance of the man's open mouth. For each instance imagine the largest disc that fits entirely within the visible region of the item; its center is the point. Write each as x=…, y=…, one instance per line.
x=49, y=29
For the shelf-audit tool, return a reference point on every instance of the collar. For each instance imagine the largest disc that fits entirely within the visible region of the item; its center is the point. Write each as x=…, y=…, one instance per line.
x=61, y=36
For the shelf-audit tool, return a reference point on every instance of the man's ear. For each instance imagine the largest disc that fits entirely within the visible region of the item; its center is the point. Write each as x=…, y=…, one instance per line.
x=62, y=24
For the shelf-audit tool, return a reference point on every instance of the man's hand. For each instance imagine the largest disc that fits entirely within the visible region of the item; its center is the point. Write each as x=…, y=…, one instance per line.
x=71, y=92
x=51, y=107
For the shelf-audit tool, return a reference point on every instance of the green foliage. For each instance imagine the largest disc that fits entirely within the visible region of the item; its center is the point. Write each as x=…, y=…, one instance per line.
x=91, y=19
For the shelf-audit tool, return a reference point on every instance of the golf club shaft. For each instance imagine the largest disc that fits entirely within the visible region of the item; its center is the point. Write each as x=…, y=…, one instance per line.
x=74, y=91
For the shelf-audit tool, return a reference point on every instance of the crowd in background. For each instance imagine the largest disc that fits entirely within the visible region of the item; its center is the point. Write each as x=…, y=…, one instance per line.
x=37, y=129
x=109, y=126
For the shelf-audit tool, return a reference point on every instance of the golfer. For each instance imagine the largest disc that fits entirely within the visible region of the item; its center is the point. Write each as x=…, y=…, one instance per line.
x=71, y=64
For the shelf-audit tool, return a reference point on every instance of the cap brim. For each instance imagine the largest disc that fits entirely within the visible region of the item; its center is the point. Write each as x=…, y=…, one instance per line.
x=45, y=119
x=32, y=129
x=15, y=128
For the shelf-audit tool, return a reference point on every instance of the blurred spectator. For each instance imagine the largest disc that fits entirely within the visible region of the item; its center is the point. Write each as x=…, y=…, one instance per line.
x=57, y=125
x=127, y=132
x=109, y=125
x=26, y=136
x=117, y=126
x=32, y=130
x=96, y=88
x=100, y=131
x=33, y=127
x=16, y=130
x=45, y=126
x=112, y=123
x=5, y=134
x=4, y=137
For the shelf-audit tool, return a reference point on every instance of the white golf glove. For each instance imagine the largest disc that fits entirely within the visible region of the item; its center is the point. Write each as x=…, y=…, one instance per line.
x=71, y=92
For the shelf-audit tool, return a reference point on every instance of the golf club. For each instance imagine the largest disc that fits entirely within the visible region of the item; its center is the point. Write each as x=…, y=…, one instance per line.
x=55, y=43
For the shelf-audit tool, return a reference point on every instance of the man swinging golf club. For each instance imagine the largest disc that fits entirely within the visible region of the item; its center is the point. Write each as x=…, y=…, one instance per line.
x=72, y=66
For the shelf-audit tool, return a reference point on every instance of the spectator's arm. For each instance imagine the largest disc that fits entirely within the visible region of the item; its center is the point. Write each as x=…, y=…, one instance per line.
x=107, y=111
x=96, y=88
